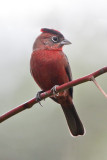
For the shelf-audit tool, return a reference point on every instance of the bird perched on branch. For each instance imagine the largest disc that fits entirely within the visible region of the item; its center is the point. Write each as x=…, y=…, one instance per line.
x=49, y=67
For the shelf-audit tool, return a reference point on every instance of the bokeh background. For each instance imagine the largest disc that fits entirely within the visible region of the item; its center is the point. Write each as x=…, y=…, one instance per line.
x=41, y=133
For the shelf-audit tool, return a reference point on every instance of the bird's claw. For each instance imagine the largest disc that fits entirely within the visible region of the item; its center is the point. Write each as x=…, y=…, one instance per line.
x=54, y=91
x=38, y=98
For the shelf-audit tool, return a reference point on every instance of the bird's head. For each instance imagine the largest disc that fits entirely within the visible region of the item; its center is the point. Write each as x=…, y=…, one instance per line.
x=50, y=39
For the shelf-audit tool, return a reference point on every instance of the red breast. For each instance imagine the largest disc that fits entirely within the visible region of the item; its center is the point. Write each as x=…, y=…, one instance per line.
x=48, y=68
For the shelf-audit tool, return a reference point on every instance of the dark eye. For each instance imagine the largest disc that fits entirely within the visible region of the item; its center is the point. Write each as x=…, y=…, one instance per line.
x=55, y=39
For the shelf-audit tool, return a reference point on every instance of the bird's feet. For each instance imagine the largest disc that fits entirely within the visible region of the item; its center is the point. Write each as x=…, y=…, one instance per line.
x=54, y=91
x=38, y=98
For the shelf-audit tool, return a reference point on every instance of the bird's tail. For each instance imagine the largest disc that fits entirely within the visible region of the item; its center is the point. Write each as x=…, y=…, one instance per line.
x=73, y=120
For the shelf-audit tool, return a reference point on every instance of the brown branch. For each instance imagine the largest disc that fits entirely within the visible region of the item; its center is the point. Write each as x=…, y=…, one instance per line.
x=49, y=93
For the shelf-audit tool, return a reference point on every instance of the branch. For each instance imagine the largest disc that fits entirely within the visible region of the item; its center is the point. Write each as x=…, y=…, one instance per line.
x=49, y=93
x=98, y=86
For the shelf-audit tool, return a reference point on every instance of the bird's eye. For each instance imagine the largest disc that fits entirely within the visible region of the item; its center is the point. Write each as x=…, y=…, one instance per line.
x=55, y=39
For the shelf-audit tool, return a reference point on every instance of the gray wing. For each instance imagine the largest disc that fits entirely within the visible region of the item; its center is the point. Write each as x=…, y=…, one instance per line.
x=69, y=74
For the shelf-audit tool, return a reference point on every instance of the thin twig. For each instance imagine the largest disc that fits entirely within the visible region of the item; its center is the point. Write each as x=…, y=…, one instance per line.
x=99, y=87
x=49, y=93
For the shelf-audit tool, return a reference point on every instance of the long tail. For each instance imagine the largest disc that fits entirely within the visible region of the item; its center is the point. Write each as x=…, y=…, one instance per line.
x=73, y=120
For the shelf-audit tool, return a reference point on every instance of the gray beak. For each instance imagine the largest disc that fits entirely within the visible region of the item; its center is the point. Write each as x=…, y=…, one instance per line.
x=65, y=42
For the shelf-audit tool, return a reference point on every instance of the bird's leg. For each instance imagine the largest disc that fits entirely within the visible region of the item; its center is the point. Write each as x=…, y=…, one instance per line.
x=54, y=91
x=38, y=98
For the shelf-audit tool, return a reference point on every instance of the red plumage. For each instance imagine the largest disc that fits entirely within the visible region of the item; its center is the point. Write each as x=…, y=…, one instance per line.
x=49, y=67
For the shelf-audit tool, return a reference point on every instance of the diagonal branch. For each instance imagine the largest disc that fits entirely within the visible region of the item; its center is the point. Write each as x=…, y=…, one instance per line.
x=49, y=93
x=98, y=86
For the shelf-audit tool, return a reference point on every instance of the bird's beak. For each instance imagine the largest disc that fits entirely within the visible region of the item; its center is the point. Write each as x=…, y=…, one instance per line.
x=65, y=42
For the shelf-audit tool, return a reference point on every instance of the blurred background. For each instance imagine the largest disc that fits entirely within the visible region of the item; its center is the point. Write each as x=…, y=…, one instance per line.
x=41, y=132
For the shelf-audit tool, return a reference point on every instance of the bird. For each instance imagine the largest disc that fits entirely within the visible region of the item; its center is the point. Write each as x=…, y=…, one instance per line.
x=49, y=67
